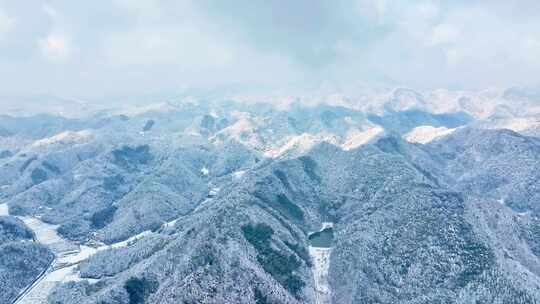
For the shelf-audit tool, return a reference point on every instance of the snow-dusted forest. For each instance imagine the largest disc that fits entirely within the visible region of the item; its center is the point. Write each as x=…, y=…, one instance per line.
x=228, y=202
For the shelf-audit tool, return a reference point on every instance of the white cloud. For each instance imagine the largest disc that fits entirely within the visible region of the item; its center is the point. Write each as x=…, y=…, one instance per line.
x=531, y=49
x=124, y=44
x=415, y=21
x=161, y=46
x=454, y=56
x=374, y=11
x=50, y=11
x=55, y=46
x=6, y=23
x=146, y=9
x=444, y=33
x=426, y=10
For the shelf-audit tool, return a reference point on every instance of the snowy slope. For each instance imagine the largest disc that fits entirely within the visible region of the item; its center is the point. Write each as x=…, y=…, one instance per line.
x=425, y=134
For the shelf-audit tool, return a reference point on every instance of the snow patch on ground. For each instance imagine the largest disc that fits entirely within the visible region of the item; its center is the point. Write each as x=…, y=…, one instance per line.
x=4, y=210
x=298, y=145
x=205, y=171
x=327, y=225
x=46, y=234
x=170, y=224
x=521, y=124
x=321, y=264
x=239, y=174
x=357, y=139
x=68, y=256
x=426, y=134
x=214, y=191
x=126, y=242
x=65, y=138
x=39, y=293
x=301, y=144
x=84, y=253
x=242, y=130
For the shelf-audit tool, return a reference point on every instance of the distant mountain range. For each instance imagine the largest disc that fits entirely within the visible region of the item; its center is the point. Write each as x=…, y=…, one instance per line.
x=389, y=197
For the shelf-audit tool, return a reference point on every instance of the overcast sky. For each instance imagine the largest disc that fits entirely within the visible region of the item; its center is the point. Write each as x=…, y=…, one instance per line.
x=87, y=49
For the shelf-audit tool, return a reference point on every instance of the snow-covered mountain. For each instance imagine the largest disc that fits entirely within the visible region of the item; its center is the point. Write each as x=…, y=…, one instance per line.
x=393, y=196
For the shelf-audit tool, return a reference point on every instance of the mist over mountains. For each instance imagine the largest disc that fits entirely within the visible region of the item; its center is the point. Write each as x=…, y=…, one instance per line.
x=387, y=196
x=265, y=152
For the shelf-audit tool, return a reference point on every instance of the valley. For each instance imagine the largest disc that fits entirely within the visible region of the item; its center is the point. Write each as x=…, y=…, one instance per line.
x=253, y=204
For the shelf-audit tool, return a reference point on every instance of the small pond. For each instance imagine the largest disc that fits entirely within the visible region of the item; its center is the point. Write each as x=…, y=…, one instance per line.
x=322, y=239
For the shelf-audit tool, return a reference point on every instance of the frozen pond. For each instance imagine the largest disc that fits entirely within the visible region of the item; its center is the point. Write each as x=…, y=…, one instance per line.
x=322, y=239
